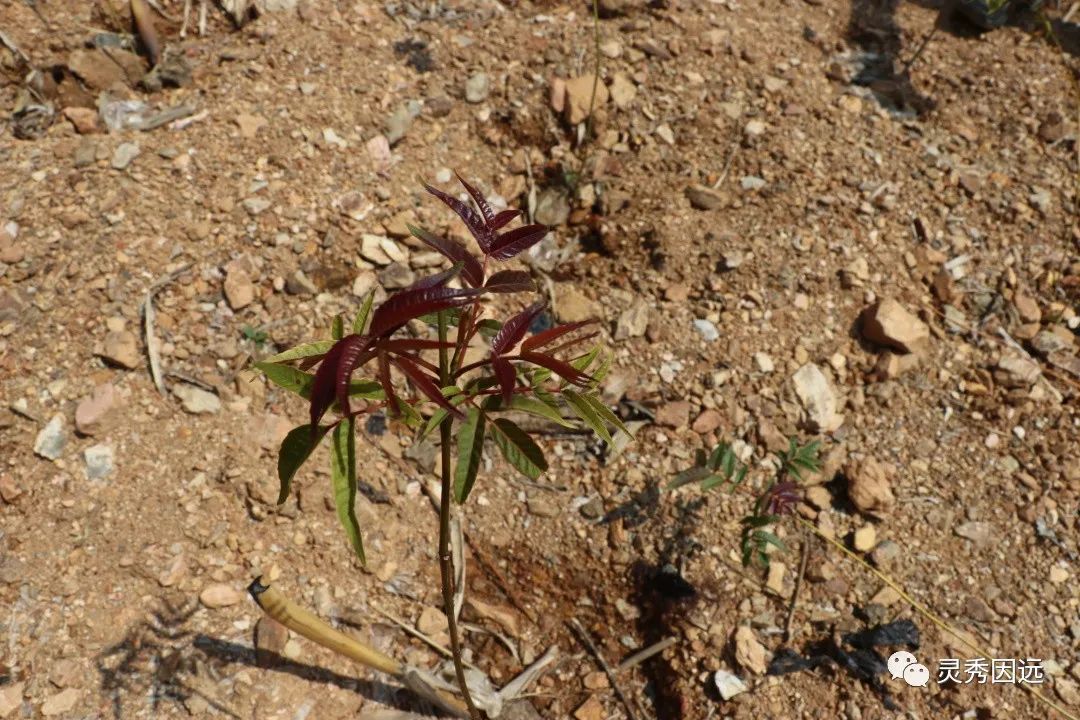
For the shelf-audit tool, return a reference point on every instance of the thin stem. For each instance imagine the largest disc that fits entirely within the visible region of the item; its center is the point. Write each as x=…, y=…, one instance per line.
x=446, y=562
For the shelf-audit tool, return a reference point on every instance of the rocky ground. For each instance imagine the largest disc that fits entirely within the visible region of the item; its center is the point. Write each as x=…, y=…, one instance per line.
x=775, y=248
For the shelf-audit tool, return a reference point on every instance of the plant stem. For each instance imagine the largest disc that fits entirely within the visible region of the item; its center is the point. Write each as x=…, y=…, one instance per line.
x=446, y=563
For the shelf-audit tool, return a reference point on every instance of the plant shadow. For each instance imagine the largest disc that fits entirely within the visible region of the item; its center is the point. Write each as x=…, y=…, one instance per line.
x=160, y=660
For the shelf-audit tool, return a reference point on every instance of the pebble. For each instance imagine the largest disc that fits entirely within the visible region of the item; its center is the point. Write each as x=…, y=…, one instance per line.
x=9, y=491
x=623, y=91
x=396, y=275
x=865, y=538
x=579, y=92
x=1027, y=308
x=374, y=248
x=764, y=362
x=125, y=154
x=238, y=288
x=665, y=133
x=60, y=703
x=707, y=329
x=270, y=639
x=219, y=595
x=93, y=410
x=706, y=422
x=432, y=621
x=818, y=398
x=633, y=321
x=11, y=698
x=99, y=461
x=249, y=125
x=121, y=348
x=1058, y=574
x=542, y=507
x=477, y=88
x=750, y=654
x=889, y=324
x=573, y=306
x=751, y=183
x=728, y=684
x=552, y=207
x=673, y=414
x=885, y=554
x=976, y=531
x=868, y=485
x=401, y=120
x=51, y=440
x=256, y=205
x=754, y=128
x=703, y=197
x=591, y=709
x=300, y=284
x=732, y=259
x=196, y=400
x=775, y=578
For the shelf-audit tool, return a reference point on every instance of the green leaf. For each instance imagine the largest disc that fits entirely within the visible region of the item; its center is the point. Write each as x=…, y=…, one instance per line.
x=767, y=538
x=584, y=410
x=288, y=378
x=602, y=369
x=488, y=328
x=300, y=351
x=343, y=474
x=296, y=448
x=470, y=443
x=605, y=412
x=367, y=389
x=359, y=324
x=712, y=481
x=409, y=415
x=518, y=448
x=758, y=521
x=528, y=405
x=337, y=329
x=456, y=398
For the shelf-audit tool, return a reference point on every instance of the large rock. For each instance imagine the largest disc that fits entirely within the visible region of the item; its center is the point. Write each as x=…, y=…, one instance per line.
x=889, y=324
x=750, y=654
x=818, y=398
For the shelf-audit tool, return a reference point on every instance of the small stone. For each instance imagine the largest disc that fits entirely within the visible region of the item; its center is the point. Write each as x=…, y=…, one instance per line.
x=249, y=124
x=868, y=485
x=633, y=321
x=1014, y=371
x=611, y=49
x=751, y=183
x=579, y=93
x=219, y=595
x=865, y=538
x=885, y=554
x=703, y=197
x=84, y=120
x=888, y=323
x=125, y=154
x=542, y=507
x=256, y=205
x=763, y=362
x=174, y=573
x=665, y=133
x=292, y=650
x=706, y=422
x=99, y=461
x=300, y=284
x=552, y=207
x=396, y=276
x=819, y=496
x=1068, y=691
x=122, y=349
x=60, y=703
x=373, y=249
x=732, y=259
x=270, y=639
x=750, y=654
x=707, y=329
x=11, y=699
x=815, y=392
x=9, y=491
x=1027, y=308
x=1058, y=574
x=196, y=400
x=432, y=621
x=399, y=122
x=673, y=414
x=623, y=91
x=93, y=410
x=477, y=88
x=890, y=365
x=591, y=709
x=573, y=306
x=976, y=531
x=775, y=578
x=754, y=128
x=596, y=680
x=238, y=288
x=728, y=684
x=51, y=440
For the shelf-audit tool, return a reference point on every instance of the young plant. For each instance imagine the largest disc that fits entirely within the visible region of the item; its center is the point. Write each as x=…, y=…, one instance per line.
x=427, y=383
x=722, y=468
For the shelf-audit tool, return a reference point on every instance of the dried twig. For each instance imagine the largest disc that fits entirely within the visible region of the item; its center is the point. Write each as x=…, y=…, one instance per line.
x=644, y=654
x=444, y=651
x=187, y=16
x=612, y=678
x=152, y=350
x=798, y=587
x=202, y=18
x=166, y=116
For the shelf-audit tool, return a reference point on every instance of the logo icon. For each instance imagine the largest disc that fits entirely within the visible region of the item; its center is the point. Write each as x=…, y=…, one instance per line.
x=905, y=666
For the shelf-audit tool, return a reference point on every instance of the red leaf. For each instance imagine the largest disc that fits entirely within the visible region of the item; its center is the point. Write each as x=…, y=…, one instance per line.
x=516, y=241
x=439, y=279
x=549, y=336
x=479, y=199
x=333, y=374
x=472, y=271
x=514, y=329
x=425, y=384
x=504, y=371
x=403, y=306
x=474, y=222
x=510, y=281
x=388, y=385
x=557, y=366
x=503, y=219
